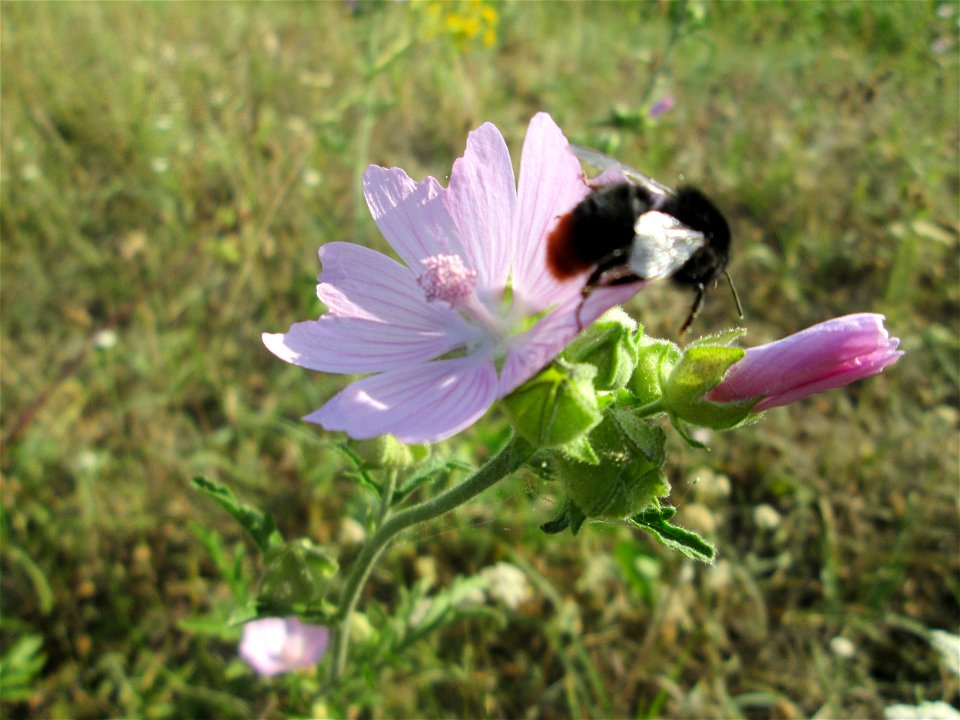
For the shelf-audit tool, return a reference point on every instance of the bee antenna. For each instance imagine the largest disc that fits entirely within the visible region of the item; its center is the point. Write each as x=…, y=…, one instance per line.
x=736, y=296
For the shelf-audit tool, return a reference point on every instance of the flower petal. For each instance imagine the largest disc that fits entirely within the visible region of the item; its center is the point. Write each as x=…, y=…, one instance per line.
x=277, y=645
x=421, y=403
x=413, y=217
x=857, y=370
x=536, y=347
x=827, y=355
x=482, y=197
x=551, y=184
x=377, y=318
x=354, y=347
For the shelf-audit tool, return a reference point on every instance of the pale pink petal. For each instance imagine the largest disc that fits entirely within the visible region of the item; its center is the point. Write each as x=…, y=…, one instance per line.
x=482, y=196
x=532, y=350
x=413, y=217
x=358, y=282
x=355, y=347
x=377, y=318
x=610, y=176
x=551, y=184
x=277, y=645
x=420, y=403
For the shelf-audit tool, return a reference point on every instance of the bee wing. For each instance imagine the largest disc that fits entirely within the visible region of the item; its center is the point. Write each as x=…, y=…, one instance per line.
x=604, y=162
x=662, y=245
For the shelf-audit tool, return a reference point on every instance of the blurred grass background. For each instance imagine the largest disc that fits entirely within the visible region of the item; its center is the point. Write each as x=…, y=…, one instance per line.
x=168, y=172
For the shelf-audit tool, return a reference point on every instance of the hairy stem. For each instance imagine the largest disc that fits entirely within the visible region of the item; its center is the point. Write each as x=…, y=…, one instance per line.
x=510, y=458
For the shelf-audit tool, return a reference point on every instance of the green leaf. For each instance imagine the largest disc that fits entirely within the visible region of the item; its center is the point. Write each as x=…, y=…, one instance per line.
x=362, y=476
x=655, y=522
x=21, y=665
x=260, y=525
x=41, y=587
x=434, y=470
x=231, y=570
x=297, y=578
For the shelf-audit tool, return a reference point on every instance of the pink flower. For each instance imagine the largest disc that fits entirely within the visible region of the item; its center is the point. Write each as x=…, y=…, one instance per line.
x=470, y=313
x=825, y=356
x=661, y=107
x=277, y=645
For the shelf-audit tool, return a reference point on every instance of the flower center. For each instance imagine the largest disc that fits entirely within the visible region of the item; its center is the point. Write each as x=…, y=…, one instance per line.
x=446, y=278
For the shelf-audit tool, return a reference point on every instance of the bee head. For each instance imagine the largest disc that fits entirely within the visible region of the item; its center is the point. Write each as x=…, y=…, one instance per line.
x=693, y=209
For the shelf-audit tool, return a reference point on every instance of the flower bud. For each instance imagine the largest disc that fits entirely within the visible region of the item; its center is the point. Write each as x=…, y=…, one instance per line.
x=628, y=476
x=385, y=451
x=555, y=407
x=825, y=356
x=655, y=361
x=610, y=345
x=701, y=368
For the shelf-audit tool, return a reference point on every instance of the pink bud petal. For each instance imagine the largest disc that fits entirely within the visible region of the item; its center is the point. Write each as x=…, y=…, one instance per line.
x=828, y=355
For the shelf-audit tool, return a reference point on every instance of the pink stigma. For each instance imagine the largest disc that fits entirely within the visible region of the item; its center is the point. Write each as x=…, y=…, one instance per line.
x=447, y=278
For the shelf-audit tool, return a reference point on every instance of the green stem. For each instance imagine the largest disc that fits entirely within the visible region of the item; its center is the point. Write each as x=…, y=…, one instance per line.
x=386, y=499
x=677, y=30
x=653, y=407
x=511, y=457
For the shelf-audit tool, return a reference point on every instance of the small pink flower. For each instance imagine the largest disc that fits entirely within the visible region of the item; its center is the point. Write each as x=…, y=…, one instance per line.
x=661, y=107
x=277, y=645
x=470, y=313
x=829, y=355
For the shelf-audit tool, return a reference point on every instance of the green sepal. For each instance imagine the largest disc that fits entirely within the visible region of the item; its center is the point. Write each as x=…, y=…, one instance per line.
x=261, y=526
x=628, y=476
x=297, y=578
x=646, y=438
x=701, y=368
x=655, y=520
x=724, y=338
x=570, y=516
x=385, y=451
x=610, y=344
x=655, y=361
x=560, y=523
x=581, y=450
x=555, y=407
x=576, y=517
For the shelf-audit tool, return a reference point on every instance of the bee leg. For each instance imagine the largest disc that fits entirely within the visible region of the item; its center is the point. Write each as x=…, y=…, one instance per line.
x=609, y=271
x=694, y=309
x=605, y=265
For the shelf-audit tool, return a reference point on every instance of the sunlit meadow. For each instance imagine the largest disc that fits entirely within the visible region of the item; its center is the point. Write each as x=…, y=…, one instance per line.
x=168, y=173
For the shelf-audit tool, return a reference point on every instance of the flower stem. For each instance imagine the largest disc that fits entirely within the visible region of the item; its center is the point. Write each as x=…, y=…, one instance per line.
x=386, y=498
x=511, y=457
